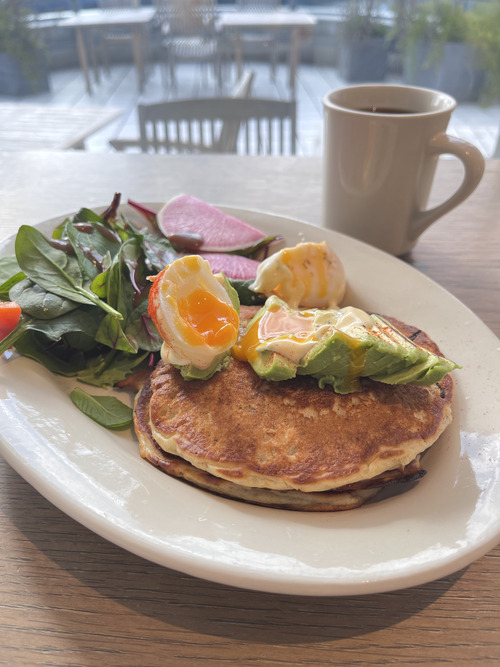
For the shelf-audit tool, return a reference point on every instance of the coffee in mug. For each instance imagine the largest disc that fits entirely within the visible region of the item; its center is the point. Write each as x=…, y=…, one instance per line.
x=381, y=147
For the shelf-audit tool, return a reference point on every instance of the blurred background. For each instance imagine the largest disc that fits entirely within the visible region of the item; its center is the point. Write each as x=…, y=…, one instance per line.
x=86, y=68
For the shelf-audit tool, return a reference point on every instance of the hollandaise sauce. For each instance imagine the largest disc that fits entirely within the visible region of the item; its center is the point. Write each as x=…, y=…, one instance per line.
x=308, y=265
x=308, y=275
x=291, y=334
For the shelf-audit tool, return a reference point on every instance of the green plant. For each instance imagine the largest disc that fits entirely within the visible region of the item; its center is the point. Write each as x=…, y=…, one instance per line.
x=362, y=21
x=18, y=39
x=436, y=22
x=485, y=36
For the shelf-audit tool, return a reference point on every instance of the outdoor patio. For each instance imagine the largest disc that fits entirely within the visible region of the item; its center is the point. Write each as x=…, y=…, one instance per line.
x=118, y=89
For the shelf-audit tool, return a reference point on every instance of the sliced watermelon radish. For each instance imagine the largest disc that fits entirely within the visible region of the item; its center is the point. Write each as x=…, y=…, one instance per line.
x=221, y=232
x=232, y=266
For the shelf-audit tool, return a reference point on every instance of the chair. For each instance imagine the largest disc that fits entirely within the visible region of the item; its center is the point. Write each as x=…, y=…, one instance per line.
x=261, y=40
x=229, y=130
x=266, y=126
x=189, y=34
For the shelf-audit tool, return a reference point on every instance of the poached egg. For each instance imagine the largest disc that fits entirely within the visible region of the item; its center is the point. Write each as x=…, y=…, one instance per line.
x=309, y=275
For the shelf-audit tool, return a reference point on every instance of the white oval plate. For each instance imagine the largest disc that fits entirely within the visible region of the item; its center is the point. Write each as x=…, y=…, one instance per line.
x=450, y=518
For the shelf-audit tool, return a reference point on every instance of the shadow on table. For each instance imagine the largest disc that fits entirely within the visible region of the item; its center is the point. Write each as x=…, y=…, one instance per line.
x=183, y=601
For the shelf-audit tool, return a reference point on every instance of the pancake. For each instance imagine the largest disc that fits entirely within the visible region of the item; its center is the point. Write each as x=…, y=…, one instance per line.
x=181, y=469
x=289, y=444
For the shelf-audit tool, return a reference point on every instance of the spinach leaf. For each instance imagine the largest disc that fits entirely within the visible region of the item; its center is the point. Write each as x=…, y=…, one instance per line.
x=246, y=296
x=119, y=294
x=6, y=286
x=132, y=256
x=10, y=274
x=114, y=286
x=49, y=267
x=99, y=284
x=39, y=303
x=110, y=333
x=107, y=411
x=107, y=370
x=91, y=249
x=77, y=340
x=58, y=232
x=53, y=270
x=8, y=268
x=158, y=252
x=33, y=345
x=79, y=321
x=120, y=288
x=87, y=215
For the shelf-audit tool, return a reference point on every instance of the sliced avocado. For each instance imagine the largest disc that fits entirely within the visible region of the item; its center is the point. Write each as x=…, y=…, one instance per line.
x=232, y=292
x=190, y=372
x=346, y=349
x=273, y=366
x=432, y=370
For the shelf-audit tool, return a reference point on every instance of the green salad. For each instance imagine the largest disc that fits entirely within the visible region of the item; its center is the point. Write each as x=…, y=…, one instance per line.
x=83, y=294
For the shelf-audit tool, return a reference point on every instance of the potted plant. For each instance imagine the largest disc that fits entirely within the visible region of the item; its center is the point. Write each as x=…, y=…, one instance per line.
x=22, y=63
x=363, y=45
x=438, y=52
x=484, y=35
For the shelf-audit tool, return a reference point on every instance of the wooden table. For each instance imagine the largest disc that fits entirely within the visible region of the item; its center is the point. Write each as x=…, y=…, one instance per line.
x=297, y=24
x=69, y=597
x=25, y=127
x=88, y=20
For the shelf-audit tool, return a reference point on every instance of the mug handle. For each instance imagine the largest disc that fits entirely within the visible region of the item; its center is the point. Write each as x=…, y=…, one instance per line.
x=473, y=162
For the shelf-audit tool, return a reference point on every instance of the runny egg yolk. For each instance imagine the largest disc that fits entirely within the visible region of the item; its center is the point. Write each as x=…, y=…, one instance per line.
x=246, y=348
x=210, y=321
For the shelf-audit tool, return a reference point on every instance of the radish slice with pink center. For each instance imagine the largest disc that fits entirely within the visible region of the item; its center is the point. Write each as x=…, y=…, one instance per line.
x=232, y=266
x=221, y=232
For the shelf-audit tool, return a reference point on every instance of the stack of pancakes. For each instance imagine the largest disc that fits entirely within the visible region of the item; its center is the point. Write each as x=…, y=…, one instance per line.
x=289, y=444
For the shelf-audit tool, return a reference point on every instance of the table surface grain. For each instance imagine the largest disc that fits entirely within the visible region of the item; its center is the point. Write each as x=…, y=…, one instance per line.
x=69, y=597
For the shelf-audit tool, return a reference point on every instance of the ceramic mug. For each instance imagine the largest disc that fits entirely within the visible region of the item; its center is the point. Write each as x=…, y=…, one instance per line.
x=381, y=147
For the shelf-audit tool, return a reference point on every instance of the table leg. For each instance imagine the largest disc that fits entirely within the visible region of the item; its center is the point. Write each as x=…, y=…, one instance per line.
x=93, y=57
x=82, y=57
x=138, y=56
x=238, y=52
x=294, y=58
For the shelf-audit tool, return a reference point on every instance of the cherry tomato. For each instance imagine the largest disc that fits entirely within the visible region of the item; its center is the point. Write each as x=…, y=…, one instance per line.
x=10, y=313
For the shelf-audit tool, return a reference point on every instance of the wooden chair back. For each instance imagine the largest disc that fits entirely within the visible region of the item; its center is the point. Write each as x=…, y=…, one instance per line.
x=229, y=130
x=266, y=126
x=228, y=137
